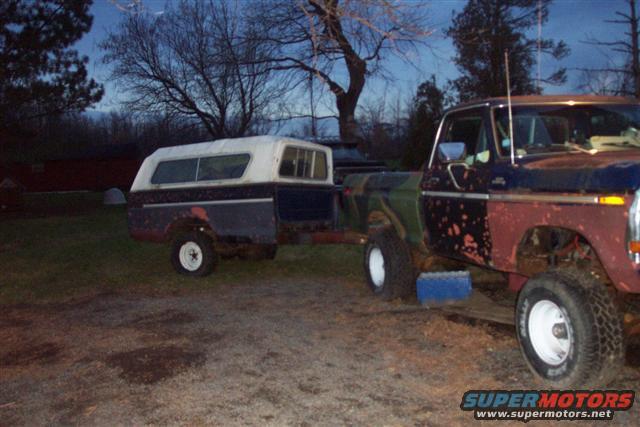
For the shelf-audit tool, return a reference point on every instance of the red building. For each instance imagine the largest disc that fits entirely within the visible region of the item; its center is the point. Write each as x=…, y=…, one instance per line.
x=94, y=169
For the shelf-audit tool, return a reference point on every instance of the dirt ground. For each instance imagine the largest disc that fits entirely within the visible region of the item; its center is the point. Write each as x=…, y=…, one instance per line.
x=260, y=353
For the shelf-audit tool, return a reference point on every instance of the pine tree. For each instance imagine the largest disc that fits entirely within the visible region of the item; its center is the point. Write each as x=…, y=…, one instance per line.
x=428, y=106
x=40, y=75
x=484, y=30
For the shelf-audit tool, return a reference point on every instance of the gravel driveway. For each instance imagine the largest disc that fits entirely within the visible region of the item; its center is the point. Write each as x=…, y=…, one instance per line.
x=265, y=353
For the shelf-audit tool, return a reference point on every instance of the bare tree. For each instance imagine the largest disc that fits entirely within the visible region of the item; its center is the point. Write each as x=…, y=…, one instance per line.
x=199, y=60
x=605, y=81
x=340, y=42
x=623, y=79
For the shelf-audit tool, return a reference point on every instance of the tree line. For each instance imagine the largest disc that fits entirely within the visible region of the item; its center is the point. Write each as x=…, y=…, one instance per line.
x=225, y=68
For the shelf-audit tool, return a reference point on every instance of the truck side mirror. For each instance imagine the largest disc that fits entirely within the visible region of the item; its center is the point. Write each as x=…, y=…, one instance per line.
x=449, y=152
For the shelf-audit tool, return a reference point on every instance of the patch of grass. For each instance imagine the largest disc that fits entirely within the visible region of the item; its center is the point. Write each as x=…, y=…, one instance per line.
x=58, y=256
x=38, y=201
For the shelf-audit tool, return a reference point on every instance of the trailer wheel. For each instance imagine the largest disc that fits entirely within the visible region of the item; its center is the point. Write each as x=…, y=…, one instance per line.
x=569, y=329
x=192, y=254
x=387, y=265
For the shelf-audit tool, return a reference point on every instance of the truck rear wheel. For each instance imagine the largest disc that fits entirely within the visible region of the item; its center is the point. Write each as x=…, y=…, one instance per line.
x=192, y=254
x=569, y=329
x=387, y=265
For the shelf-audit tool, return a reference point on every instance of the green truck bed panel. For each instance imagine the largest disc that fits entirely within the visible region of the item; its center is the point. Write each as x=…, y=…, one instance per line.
x=376, y=199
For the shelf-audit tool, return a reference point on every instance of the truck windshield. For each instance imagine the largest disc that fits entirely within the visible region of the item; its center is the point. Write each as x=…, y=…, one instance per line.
x=347, y=153
x=561, y=128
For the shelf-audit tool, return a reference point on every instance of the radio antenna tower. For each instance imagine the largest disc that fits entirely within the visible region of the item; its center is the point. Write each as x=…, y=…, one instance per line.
x=539, y=41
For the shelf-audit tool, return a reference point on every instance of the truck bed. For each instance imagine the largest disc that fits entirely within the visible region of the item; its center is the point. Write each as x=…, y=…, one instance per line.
x=387, y=198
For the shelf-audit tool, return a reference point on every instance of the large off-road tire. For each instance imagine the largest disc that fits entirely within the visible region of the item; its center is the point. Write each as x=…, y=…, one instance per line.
x=192, y=254
x=387, y=265
x=570, y=330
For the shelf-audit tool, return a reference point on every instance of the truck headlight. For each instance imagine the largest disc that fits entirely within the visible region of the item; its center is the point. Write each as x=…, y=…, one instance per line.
x=633, y=245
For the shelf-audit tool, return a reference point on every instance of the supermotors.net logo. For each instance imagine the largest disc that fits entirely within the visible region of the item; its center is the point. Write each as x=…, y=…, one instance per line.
x=528, y=405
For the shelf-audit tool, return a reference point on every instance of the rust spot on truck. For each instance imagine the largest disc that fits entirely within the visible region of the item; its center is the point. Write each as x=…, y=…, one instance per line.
x=470, y=249
x=456, y=229
x=200, y=213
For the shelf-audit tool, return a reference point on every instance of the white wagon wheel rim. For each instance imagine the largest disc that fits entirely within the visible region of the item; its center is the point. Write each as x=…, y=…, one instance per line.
x=376, y=267
x=190, y=256
x=550, y=332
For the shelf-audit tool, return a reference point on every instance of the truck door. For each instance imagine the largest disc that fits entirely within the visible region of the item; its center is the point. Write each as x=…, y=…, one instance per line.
x=455, y=187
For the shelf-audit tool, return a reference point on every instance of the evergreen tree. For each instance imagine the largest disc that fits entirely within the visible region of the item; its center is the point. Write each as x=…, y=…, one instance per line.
x=40, y=76
x=484, y=30
x=426, y=111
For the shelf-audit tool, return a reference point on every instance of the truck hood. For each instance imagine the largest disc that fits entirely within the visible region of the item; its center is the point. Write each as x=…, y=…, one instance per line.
x=610, y=171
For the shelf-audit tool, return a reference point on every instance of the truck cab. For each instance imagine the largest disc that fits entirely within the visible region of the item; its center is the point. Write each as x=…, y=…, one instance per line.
x=545, y=189
x=572, y=172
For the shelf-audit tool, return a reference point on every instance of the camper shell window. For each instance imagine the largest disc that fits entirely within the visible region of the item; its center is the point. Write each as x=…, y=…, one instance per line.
x=222, y=167
x=303, y=163
x=211, y=168
x=175, y=171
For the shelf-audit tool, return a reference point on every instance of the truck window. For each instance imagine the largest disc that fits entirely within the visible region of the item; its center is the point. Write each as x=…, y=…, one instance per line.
x=222, y=167
x=175, y=171
x=468, y=127
x=541, y=129
x=320, y=166
x=302, y=163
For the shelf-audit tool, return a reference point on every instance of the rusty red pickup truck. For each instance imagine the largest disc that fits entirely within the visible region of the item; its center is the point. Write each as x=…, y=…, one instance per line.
x=542, y=188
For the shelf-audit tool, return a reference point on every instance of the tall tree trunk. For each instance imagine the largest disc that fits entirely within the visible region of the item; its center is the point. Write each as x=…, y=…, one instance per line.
x=347, y=102
x=347, y=118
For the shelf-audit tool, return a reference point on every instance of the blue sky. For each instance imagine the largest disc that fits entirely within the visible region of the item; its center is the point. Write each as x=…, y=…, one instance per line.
x=570, y=20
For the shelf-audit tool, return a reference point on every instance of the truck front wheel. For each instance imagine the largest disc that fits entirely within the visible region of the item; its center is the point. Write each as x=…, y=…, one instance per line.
x=192, y=254
x=387, y=265
x=569, y=329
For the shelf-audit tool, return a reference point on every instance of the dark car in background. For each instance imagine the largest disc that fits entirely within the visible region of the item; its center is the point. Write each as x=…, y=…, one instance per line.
x=348, y=159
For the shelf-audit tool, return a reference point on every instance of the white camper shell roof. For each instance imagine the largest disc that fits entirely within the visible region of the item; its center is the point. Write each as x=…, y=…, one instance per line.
x=264, y=164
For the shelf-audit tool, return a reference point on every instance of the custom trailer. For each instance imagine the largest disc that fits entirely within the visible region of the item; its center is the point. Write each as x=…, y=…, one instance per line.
x=231, y=197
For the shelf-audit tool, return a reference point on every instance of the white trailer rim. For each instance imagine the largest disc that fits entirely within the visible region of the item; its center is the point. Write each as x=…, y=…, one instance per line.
x=376, y=267
x=190, y=256
x=550, y=332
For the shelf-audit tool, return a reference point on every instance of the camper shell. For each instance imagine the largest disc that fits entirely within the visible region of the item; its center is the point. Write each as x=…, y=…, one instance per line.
x=237, y=192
